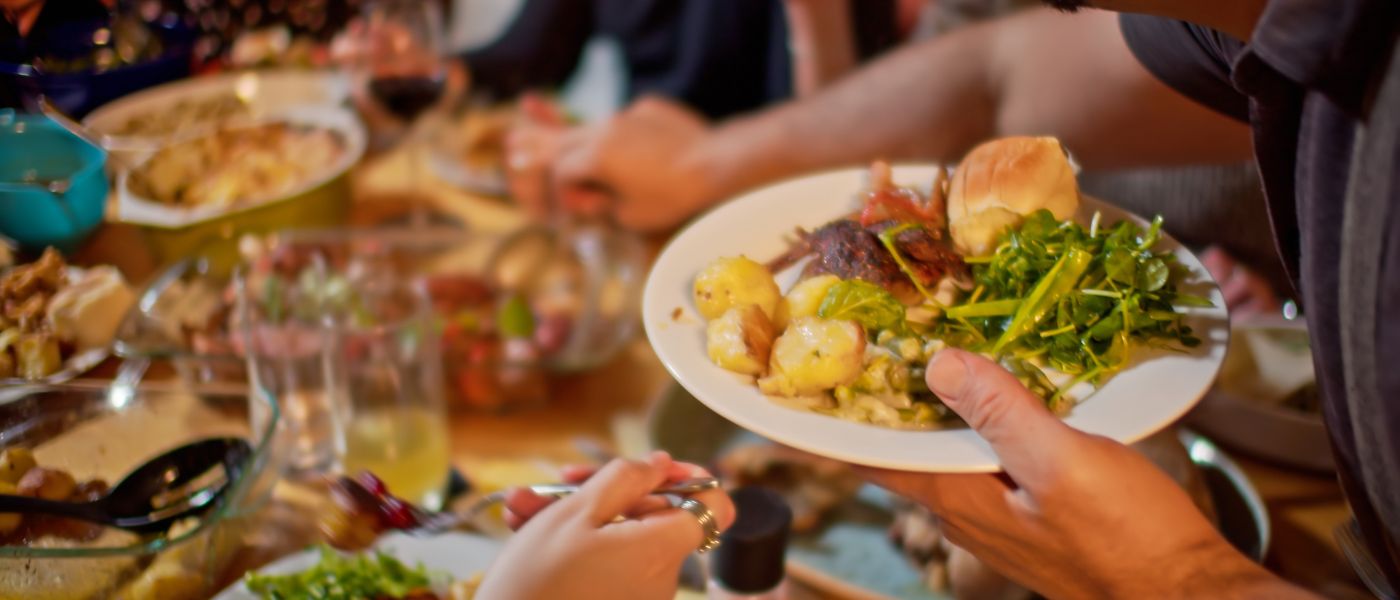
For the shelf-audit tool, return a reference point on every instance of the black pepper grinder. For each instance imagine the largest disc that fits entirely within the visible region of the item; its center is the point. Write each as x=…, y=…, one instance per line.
x=749, y=563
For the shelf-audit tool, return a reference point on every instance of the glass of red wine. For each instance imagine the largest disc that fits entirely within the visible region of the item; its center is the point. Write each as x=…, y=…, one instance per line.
x=401, y=74
x=401, y=64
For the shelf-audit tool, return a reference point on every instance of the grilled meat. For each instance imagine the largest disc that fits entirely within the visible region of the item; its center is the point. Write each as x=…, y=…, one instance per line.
x=927, y=253
x=845, y=249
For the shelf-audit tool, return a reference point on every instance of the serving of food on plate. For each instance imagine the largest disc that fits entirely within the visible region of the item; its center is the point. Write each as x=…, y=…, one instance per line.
x=198, y=192
x=1115, y=325
x=237, y=165
x=57, y=320
x=400, y=567
x=373, y=576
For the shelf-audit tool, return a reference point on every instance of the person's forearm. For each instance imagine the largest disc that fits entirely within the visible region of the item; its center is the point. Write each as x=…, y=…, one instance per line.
x=821, y=42
x=1035, y=73
x=926, y=101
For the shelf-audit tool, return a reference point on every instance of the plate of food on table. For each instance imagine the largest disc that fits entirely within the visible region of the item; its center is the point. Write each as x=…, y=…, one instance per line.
x=444, y=567
x=369, y=552
x=807, y=311
x=241, y=165
x=58, y=320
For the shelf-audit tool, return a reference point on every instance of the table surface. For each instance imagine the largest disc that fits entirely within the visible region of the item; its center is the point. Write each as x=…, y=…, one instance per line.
x=594, y=410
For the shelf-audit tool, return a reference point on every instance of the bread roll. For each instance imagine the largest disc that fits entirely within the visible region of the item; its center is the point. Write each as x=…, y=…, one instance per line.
x=1002, y=181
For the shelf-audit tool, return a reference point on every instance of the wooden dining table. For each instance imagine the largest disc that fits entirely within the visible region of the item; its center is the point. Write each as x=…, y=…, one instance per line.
x=604, y=409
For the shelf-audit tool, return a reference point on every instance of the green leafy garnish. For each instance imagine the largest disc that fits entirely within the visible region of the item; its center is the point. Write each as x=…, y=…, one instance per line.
x=339, y=577
x=865, y=303
x=1074, y=298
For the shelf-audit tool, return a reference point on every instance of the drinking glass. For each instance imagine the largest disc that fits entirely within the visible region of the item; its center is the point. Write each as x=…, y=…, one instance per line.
x=284, y=341
x=385, y=370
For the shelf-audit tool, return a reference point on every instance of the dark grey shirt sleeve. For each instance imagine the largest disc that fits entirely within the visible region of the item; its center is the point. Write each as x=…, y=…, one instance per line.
x=1190, y=59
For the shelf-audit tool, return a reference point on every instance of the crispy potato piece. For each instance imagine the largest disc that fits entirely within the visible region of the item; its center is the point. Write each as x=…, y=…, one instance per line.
x=14, y=463
x=735, y=281
x=814, y=355
x=740, y=340
x=49, y=484
x=803, y=300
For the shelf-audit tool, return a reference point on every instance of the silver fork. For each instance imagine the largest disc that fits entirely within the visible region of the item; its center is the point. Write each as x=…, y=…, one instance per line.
x=432, y=523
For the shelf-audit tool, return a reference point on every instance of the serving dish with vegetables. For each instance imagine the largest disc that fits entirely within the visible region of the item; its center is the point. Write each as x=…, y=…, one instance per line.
x=446, y=567
x=818, y=340
x=57, y=321
x=70, y=441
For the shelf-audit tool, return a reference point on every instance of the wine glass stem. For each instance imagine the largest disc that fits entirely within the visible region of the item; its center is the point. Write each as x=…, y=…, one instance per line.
x=418, y=216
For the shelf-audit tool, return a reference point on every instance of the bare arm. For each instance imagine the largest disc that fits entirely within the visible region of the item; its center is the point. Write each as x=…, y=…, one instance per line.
x=823, y=46
x=1039, y=72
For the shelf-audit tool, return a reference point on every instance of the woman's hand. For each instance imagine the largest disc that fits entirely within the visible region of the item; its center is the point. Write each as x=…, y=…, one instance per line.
x=1074, y=515
x=612, y=539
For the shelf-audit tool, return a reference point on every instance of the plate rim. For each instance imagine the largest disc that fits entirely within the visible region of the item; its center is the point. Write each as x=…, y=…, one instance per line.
x=153, y=98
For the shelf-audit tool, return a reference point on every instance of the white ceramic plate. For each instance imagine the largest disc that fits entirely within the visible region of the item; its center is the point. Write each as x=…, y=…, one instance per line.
x=265, y=92
x=459, y=555
x=1138, y=401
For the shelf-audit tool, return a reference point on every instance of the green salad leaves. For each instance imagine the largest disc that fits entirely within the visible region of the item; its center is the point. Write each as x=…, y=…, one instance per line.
x=340, y=577
x=865, y=303
x=1077, y=299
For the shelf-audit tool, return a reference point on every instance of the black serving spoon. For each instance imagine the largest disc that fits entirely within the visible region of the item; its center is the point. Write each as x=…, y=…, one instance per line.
x=155, y=495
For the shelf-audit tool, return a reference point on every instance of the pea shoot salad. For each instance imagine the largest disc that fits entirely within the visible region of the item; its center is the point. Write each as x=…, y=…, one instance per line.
x=346, y=577
x=1074, y=298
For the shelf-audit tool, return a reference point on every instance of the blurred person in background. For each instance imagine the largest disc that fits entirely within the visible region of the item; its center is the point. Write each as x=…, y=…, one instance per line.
x=1309, y=88
x=1199, y=200
x=29, y=27
x=718, y=57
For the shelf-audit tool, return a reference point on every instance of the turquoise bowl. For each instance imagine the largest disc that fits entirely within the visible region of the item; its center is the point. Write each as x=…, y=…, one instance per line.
x=34, y=153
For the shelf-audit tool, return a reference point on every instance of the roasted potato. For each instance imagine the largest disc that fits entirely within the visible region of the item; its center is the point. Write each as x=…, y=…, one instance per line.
x=735, y=281
x=740, y=340
x=814, y=355
x=49, y=484
x=803, y=300
x=14, y=463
